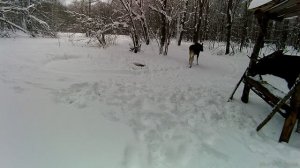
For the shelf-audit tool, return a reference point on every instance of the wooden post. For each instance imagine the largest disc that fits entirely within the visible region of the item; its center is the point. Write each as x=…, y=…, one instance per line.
x=276, y=108
x=298, y=125
x=236, y=86
x=262, y=19
x=290, y=121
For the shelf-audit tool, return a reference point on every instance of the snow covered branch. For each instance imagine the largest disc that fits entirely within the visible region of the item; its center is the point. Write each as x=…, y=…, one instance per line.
x=95, y=27
x=13, y=25
x=16, y=16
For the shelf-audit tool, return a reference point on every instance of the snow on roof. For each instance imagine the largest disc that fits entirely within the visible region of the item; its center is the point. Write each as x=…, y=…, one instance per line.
x=257, y=3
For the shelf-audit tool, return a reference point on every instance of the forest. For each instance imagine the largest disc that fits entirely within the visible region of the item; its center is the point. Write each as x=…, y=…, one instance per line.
x=158, y=21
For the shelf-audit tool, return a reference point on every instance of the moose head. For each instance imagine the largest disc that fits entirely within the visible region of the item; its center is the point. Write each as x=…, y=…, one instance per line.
x=278, y=64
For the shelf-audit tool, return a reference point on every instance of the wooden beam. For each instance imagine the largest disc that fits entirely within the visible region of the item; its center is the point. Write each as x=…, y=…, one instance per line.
x=237, y=85
x=280, y=6
x=292, y=14
x=262, y=19
x=290, y=121
x=260, y=88
x=289, y=12
x=279, y=10
x=276, y=109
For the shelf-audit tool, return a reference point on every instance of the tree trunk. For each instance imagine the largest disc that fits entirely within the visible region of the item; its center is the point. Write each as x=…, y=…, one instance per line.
x=143, y=22
x=168, y=37
x=145, y=30
x=206, y=20
x=228, y=26
x=182, y=22
x=195, y=35
x=135, y=38
x=245, y=26
x=198, y=21
x=222, y=29
x=284, y=34
x=133, y=30
x=163, y=29
x=298, y=42
x=263, y=22
x=90, y=5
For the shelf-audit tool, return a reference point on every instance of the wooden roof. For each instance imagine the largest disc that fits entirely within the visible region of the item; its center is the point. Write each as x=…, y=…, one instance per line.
x=280, y=9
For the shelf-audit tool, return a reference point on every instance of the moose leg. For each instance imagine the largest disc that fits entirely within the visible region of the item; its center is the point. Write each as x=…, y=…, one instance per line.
x=191, y=60
x=197, y=59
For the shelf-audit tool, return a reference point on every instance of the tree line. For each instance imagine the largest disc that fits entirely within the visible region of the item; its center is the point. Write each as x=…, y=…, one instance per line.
x=145, y=21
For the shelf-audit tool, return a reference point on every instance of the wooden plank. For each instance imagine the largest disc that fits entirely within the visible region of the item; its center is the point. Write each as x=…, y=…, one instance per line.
x=266, y=94
x=276, y=109
x=289, y=12
x=290, y=121
x=280, y=6
x=278, y=9
x=263, y=23
x=236, y=86
x=291, y=9
x=292, y=14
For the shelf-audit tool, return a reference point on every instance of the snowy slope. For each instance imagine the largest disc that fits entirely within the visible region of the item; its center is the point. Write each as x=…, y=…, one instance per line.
x=67, y=105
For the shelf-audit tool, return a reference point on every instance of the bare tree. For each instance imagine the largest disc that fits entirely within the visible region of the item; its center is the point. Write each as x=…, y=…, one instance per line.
x=245, y=24
x=96, y=27
x=182, y=21
x=205, y=27
x=228, y=26
x=161, y=8
x=164, y=27
x=142, y=18
x=128, y=6
x=167, y=11
x=198, y=19
x=221, y=21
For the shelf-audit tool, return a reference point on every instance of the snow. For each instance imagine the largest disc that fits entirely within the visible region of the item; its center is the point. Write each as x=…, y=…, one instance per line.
x=68, y=105
x=257, y=3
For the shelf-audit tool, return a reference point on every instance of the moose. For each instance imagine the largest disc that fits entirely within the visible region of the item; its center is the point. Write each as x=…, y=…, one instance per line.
x=195, y=50
x=278, y=64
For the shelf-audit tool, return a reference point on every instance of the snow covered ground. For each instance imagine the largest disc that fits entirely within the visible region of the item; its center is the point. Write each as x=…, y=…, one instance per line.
x=64, y=104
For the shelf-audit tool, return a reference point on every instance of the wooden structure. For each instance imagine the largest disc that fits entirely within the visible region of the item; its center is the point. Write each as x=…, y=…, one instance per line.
x=279, y=9
x=274, y=10
x=268, y=93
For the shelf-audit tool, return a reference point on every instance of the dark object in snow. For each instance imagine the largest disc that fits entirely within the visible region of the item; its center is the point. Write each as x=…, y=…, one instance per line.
x=139, y=64
x=135, y=49
x=194, y=50
x=278, y=64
